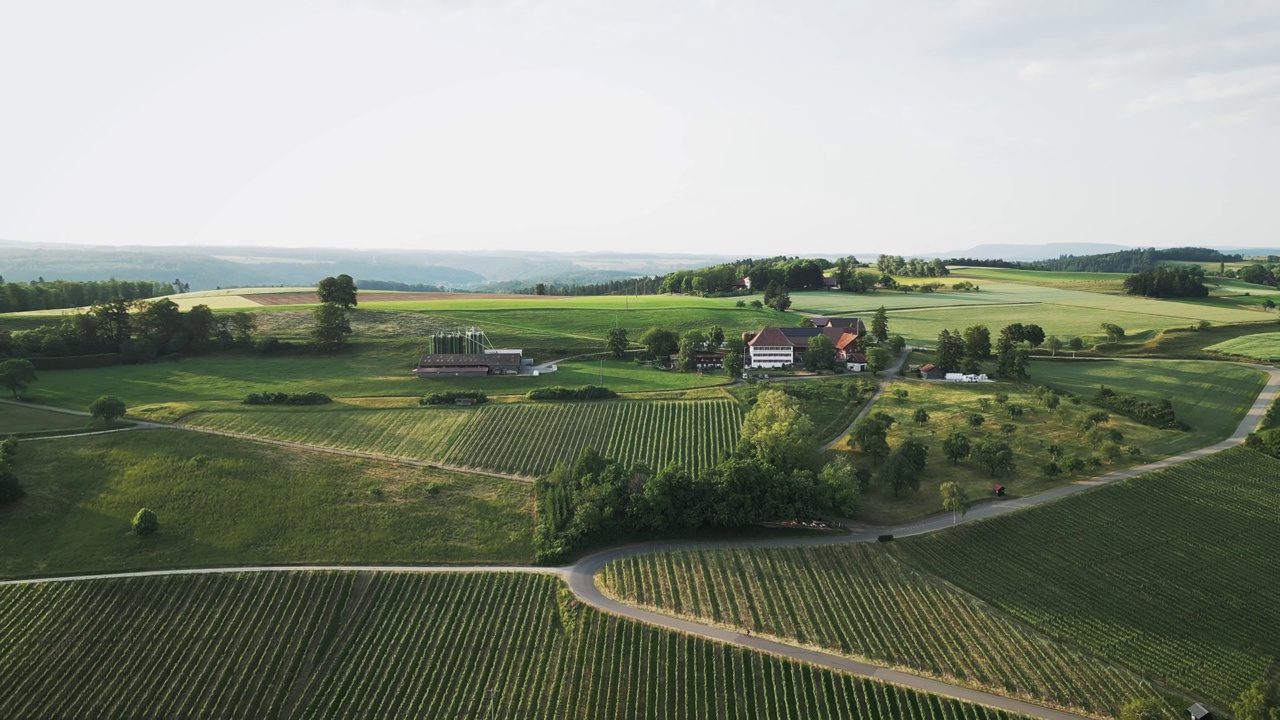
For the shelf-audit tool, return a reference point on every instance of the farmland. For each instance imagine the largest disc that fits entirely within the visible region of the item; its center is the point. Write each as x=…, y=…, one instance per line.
x=1171, y=574
x=856, y=600
x=222, y=500
x=523, y=438
x=1263, y=346
x=17, y=419
x=346, y=644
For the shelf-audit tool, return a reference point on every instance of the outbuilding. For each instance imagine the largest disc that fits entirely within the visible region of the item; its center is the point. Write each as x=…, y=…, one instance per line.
x=998, y=490
x=1199, y=712
x=929, y=371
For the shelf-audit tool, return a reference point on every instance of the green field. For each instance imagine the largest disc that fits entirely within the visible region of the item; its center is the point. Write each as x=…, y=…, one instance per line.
x=524, y=438
x=858, y=601
x=1210, y=397
x=1262, y=346
x=17, y=419
x=222, y=501
x=1172, y=574
x=378, y=645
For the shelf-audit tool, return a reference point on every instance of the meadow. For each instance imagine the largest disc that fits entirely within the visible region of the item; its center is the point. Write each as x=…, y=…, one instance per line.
x=1171, y=574
x=523, y=438
x=376, y=645
x=225, y=501
x=858, y=601
x=1262, y=346
x=21, y=420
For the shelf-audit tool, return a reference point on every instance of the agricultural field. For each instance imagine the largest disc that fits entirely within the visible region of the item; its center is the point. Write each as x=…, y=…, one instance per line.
x=376, y=645
x=524, y=438
x=21, y=420
x=222, y=500
x=1211, y=398
x=950, y=404
x=1171, y=574
x=856, y=600
x=1262, y=346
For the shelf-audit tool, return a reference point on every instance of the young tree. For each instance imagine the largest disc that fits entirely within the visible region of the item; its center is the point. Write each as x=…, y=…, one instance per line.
x=956, y=447
x=107, y=408
x=819, y=354
x=340, y=290
x=975, y=420
x=17, y=375
x=778, y=432
x=955, y=499
x=877, y=359
x=617, y=343
x=1054, y=343
x=331, y=327
x=920, y=416
x=901, y=393
x=1114, y=332
x=716, y=336
x=733, y=364
x=1008, y=428
x=145, y=522
x=897, y=343
x=996, y=455
x=880, y=325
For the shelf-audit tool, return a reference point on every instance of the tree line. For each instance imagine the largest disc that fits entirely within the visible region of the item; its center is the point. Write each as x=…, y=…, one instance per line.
x=61, y=294
x=1165, y=281
x=1123, y=261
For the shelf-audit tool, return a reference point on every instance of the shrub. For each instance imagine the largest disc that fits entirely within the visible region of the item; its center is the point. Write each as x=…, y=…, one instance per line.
x=586, y=392
x=452, y=397
x=885, y=538
x=107, y=408
x=279, y=398
x=145, y=522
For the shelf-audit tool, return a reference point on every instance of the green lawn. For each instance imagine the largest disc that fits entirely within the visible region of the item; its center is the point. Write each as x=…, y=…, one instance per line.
x=24, y=420
x=1262, y=346
x=1172, y=573
x=1210, y=397
x=223, y=501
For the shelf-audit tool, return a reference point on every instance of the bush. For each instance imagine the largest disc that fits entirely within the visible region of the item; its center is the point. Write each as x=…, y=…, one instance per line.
x=107, y=408
x=586, y=392
x=450, y=398
x=885, y=538
x=272, y=345
x=145, y=522
x=279, y=398
x=1159, y=414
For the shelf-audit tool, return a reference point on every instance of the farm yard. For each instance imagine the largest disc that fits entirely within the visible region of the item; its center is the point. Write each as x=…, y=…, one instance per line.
x=348, y=644
x=220, y=500
x=1126, y=573
x=858, y=601
x=522, y=438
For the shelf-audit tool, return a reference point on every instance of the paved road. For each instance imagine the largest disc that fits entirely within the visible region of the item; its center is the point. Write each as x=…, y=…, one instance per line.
x=581, y=576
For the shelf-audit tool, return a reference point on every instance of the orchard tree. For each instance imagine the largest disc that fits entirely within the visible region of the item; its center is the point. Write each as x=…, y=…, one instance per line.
x=17, y=375
x=778, y=432
x=975, y=420
x=955, y=499
x=996, y=455
x=956, y=447
x=340, y=290
x=617, y=343
x=920, y=416
x=1075, y=344
x=871, y=437
x=107, y=408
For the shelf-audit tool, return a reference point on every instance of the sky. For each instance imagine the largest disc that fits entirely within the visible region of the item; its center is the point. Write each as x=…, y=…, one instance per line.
x=736, y=128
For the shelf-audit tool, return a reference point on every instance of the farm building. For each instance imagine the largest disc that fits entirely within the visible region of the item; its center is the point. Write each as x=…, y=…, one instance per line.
x=826, y=322
x=489, y=362
x=929, y=371
x=775, y=347
x=743, y=284
x=830, y=283
x=1199, y=712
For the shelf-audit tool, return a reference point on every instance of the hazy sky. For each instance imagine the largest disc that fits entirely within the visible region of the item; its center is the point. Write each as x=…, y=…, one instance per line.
x=742, y=128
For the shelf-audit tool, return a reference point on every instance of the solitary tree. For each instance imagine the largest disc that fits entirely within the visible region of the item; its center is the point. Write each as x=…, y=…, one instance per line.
x=340, y=290
x=920, y=416
x=17, y=375
x=1054, y=343
x=331, y=327
x=145, y=522
x=956, y=447
x=107, y=408
x=955, y=499
x=1114, y=332
x=877, y=359
x=880, y=325
x=617, y=342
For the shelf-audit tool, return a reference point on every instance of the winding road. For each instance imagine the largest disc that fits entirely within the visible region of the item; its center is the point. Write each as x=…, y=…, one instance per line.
x=580, y=576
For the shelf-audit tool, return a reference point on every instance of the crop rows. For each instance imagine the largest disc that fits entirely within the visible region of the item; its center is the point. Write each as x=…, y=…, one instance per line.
x=1172, y=574
x=517, y=438
x=376, y=645
x=857, y=601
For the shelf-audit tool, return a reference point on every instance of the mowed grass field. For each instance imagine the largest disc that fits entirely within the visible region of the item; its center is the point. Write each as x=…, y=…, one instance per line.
x=1210, y=397
x=225, y=501
x=857, y=600
x=1262, y=346
x=523, y=438
x=1172, y=574
x=378, y=645
x=17, y=419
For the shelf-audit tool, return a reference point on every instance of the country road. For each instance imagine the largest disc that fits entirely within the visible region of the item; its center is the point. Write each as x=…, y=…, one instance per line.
x=581, y=575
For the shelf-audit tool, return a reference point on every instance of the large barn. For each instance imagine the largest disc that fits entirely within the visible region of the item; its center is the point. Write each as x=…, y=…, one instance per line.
x=777, y=347
x=489, y=362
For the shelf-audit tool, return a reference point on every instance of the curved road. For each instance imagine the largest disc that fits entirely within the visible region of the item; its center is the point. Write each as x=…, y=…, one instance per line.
x=580, y=576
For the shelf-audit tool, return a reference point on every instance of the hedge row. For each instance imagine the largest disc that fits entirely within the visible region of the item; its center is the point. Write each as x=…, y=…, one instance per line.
x=279, y=398
x=1159, y=414
x=586, y=392
x=450, y=398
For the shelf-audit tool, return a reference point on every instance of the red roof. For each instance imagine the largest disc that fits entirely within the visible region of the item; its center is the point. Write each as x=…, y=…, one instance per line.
x=927, y=367
x=847, y=340
x=771, y=337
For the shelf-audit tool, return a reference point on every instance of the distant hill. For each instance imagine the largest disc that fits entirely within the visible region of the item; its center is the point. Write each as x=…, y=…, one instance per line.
x=1028, y=253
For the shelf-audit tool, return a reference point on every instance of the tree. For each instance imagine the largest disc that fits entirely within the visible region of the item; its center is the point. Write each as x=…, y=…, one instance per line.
x=1054, y=343
x=1008, y=428
x=1033, y=335
x=145, y=522
x=1012, y=360
x=871, y=437
x=977, y=347
x=1260, y=702
x=1148, y=708
x=1075, y=344
x=1268, y=304
x=975, y=420
x=838, y=490
x=691, y=344
x=920, y=416
x=8, y=448
x=778, y=432
x=877, y=359
x=17, y=375
x=733, y=364
x=617, y=343
x=716, y=336
x=540, y=289
x=951, y=350
x=955, y=499
x=880, y=325
x=331, y=327
x=340, y=290
x=1114, y=332
x=107, y=408
x=10, y=488
x=899, y=474
x=819, y=354
x=1052, y=401
x=660, y=343
x=996, y=455
x=956, y=447
x=897, y=343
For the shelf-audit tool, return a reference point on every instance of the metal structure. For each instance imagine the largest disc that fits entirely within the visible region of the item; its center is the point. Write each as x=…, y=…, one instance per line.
x=458, y=341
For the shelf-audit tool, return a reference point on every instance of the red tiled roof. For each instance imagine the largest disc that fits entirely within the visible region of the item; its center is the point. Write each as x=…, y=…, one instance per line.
x=847, y=340
x=771, y=337
x=927, y=367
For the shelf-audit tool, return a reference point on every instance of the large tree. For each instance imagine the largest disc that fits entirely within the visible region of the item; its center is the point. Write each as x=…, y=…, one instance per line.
x=778, y=432
x=838, y=490
x=16, y=375
x=331, y=328
x=956, y=447
x=871, y=437
x=996, y=455
x=733, y=363
x=819, y=354
x=880, y=325
x=977, y=347
x=107, y=408
x=659, y=342
x=617, y=342
x=950, y=350
x=955, y=499
x=340, y=290
x=877, y=359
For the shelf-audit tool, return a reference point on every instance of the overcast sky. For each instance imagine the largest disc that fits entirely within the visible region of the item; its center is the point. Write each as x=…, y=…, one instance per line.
x=742, y=128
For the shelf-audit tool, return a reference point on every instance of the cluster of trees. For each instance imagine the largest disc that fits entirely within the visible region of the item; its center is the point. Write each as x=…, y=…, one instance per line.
x=557, y=392
x=661, y=343
x=1158, y=414
x=477, y=397
x=58, y=294
x=964, y=352
x=1124, y=261
x=139, y=329
x=399, y=286
x=768, y=476
x=1165, y=281
x=895, y=265
x=279, y=398
x=331, y=324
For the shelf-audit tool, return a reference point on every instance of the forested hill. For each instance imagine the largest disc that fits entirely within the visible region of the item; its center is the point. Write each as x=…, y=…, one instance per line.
x=1124, y=261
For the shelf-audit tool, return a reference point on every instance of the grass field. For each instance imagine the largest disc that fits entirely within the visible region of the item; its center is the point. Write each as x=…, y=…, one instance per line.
x=1172, y=574
x=23, y=420
x=376, y=645
x=524, y=438
x=1211, y=398
x=949, y=405
x=858, y=601
x=1262, y=346
x=224, y=501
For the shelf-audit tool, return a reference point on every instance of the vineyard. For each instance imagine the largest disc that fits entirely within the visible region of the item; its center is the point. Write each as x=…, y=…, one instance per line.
x=1172, y=573
x=376, y=645
x=858, y=601
x=519, y=438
